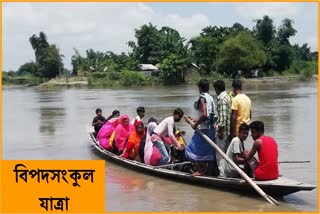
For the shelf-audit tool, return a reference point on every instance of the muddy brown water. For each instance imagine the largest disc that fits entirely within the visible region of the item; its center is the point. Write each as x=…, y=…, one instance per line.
x=52, y=124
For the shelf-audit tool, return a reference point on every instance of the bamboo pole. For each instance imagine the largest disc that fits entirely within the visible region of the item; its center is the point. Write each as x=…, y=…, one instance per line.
x=242, y=174
x=170, y=165
x=294, y=162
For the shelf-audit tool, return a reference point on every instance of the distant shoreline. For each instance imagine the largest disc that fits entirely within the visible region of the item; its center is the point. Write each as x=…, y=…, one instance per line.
x=76, y=82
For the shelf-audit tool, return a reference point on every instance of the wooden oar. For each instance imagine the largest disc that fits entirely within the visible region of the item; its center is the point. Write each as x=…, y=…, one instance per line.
x=242, y=174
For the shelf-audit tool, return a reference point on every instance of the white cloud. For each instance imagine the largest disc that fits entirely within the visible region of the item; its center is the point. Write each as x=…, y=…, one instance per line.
x=277, y=10
x=109, y=26
x=100, y=26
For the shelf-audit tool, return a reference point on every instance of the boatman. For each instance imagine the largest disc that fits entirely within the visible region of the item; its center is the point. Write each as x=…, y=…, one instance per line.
x=267, y=149
x=198, y=150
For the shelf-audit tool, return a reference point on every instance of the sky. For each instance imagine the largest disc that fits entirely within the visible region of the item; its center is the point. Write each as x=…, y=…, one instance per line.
x=109, y=26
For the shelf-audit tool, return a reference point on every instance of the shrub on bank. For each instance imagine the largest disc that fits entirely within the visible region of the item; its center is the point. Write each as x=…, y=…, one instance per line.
x=22, y=80
x=118, y=79
x=133, y=78
x=306, y=69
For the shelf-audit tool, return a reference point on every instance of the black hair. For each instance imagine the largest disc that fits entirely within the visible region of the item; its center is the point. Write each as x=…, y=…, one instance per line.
x=178, y=111
x=115, y=112
x=98, y=110
x=244, y=127
x=219, y=85
x=140, y=110
x=258, y=126
x=152, y=120
x=237, y=84
x=203, y=85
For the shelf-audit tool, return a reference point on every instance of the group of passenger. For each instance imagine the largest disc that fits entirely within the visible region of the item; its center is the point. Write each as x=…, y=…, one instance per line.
x=134, y=141
x=226, y=122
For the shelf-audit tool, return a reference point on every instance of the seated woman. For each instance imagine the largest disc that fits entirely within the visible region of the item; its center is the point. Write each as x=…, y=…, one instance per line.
x=152, y=155
x=143, y=140
x=131, y=149
x=115, y=114
x=122, y=132
x=105, y=133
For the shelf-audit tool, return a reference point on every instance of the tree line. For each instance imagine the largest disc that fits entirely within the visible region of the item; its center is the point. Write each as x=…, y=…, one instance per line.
x=216, y=50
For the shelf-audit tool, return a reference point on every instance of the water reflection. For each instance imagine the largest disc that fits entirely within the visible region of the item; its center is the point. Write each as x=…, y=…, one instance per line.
x=50, y=119
x=52, y=111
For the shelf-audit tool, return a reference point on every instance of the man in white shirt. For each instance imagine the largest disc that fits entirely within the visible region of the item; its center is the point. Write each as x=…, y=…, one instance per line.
x=165, y=129
x=235, y=151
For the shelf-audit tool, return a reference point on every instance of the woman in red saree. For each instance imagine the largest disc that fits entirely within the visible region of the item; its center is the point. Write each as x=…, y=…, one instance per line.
x=131, y=149
x=122, y=132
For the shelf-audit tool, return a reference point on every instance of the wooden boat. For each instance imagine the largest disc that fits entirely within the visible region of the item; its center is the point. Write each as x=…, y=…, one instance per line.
x=277, y=188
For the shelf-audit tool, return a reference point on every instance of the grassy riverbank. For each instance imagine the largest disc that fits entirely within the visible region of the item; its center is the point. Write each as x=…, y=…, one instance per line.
x=66, y=82
x=136, y=79
x=27, y=80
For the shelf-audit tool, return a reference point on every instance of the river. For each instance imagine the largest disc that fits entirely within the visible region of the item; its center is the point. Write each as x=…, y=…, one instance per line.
x=52, y=124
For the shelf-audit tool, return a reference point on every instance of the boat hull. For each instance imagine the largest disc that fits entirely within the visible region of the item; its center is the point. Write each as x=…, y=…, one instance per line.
x=275, y=188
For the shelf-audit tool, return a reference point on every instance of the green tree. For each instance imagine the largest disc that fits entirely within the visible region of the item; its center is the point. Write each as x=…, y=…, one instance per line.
x=264, y=30
x=204, y=48
x=28, y=68
x=237, y=28
x=283, y=57
x=283, y=53
x=148, y=47
x=302, y=53
x=171, y=43
x=39, y=44
x=240, y=53
x=120, y=62
x=285, y=31
x=47, y=56
x=77, y=62
x=50, y=62
x=173, y=69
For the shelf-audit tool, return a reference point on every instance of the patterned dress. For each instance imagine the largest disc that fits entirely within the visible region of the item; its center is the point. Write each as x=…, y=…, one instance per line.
x=198, y=149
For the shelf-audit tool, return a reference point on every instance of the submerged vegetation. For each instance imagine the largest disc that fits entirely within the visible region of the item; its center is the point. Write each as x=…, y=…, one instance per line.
x=216, y=53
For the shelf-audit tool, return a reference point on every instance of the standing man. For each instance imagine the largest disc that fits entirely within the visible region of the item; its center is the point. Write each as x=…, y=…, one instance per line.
x=241, y=108
x=198, y=150
x=224, y=121
x=267, y=149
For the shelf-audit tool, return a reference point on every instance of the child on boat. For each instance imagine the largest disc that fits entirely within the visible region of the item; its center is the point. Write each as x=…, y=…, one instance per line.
x=140, y=115
x=235, y=152
x=98, y=121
